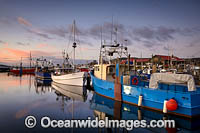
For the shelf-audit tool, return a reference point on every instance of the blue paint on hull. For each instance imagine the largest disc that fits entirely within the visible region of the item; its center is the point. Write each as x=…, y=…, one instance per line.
x=128, y=112
x=188, y=102
x=43, y=75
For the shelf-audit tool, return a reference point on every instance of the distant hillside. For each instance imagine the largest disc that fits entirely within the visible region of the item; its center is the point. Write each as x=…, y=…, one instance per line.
x=1, y=65
x=54, y=60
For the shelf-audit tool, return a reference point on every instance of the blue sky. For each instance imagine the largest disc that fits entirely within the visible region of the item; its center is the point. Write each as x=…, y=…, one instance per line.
x=150, y=26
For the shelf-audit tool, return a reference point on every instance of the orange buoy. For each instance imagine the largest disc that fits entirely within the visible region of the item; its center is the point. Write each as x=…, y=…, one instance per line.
x=171, y=105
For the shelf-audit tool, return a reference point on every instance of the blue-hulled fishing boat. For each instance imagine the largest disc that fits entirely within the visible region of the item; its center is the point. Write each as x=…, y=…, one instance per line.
x=44, y=69
x=163, y=92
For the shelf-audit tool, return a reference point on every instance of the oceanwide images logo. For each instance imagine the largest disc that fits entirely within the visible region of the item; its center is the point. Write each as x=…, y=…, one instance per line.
x=46, y=122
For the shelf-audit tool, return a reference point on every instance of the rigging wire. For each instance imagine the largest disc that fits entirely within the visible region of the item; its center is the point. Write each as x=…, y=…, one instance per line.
x=70, y=37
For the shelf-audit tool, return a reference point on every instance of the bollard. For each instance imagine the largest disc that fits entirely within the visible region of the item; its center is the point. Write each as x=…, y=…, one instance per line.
x=165, y=107
x=140, y=100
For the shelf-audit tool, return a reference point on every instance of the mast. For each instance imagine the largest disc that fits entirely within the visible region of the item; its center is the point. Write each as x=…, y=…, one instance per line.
x=20, y=69
x=101, y=59
x=111, y=30
x=74, y=44
x=30, y=59
x=100, y=54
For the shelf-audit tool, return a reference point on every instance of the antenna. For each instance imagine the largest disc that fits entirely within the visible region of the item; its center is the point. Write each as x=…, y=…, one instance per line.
x=111, y=29
x=116, y=34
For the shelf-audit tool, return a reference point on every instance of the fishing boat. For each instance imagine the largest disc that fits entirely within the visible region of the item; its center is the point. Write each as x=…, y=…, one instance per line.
x=68, y=74
x=17, y=71
x=84, y=69
x=44, y=69
x=23, y=70
x=165, y=92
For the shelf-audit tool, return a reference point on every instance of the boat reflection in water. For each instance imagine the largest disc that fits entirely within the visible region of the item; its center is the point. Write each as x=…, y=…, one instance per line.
x=104, y=107
x=72, y=92
x=42, y=86
x=67, y=93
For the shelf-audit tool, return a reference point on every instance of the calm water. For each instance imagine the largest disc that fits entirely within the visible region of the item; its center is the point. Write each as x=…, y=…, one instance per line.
x=23, y=96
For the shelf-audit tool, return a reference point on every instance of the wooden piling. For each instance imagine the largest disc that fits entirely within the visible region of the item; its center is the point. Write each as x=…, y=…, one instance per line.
x=117, y=110
x=117, y=86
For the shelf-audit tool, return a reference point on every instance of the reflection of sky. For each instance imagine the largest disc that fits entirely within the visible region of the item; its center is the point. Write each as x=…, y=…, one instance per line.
x=16, y=102
x=151, y=27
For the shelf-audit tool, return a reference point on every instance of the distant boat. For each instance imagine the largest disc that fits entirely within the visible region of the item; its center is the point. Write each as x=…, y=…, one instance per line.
x=68, y=74
x=44, y=69
x=23, y=71
x=84, y=69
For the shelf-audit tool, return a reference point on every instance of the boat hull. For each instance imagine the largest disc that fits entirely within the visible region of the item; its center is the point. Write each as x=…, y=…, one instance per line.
x=75, y=79
x=43, y=75
x=188, y=103
x=109, y=107
x=24, y=71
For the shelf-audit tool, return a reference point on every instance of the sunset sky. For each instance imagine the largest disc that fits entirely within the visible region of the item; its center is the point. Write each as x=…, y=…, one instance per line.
x=150, y=26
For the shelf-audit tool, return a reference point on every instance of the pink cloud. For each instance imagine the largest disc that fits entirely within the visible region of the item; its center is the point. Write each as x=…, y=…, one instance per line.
x=24, y=22
x=31, y=29
x=10, y=55
x=42, y=45
x=16, y=52
x=42, y=53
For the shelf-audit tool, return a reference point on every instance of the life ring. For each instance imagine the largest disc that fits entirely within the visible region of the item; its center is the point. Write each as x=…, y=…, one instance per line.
x=113, y=75
x=135, y=81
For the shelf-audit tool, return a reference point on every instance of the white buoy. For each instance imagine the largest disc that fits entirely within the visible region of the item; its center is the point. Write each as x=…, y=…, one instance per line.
x=165, y=107
x=140, y=100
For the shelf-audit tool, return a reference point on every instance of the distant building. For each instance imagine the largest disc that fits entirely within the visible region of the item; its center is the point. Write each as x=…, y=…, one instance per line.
x=167, y=61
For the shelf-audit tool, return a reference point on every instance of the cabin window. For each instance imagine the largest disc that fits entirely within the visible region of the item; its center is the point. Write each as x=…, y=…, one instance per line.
x=111, y=70
x=96, y=68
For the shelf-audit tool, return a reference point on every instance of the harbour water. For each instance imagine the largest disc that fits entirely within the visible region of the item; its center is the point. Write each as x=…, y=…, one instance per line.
x=24, y=96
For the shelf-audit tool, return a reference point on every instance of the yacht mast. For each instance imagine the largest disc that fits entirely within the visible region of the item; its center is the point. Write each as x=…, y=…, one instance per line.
x=74, y=44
